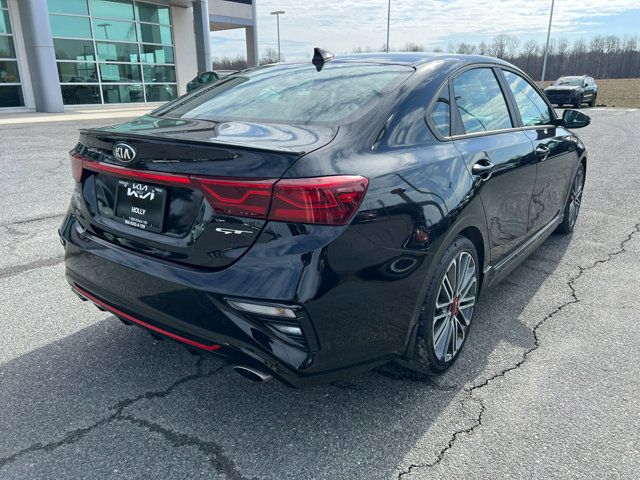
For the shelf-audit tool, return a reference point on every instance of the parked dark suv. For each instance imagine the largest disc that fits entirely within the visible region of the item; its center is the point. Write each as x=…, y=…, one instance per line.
x=307, y=220
x=573, y=91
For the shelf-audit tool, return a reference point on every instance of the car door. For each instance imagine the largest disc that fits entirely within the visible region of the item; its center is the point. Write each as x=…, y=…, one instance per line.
x=498, y=155
x=554, y=149
x=587, y=90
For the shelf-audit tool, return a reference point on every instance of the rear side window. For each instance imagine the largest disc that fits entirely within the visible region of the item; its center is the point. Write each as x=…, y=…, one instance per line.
x=295, y=93
x=533, y=109
x=480, y=102
x=440, y=115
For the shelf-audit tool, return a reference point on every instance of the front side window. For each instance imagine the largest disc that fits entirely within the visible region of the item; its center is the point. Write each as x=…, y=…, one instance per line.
x=480, y=101
x=533, y=109
x=295, y=93
x=440, y=115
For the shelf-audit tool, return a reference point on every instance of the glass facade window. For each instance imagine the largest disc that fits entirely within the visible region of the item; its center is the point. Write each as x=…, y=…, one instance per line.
x=5, y=23
x=80, y=94
x=114, y=30
x=132, y=42
x=119, y=72
x=117, y=52
x=10, y=83
x=123, y=93
x=156, y=54
x=74, y=7
x=155, y=34
x=161, y=93
x=77, y=72
x=153, y=14
x=159, y=73
x=68, y=26
x=6, y=47
x=79, y=50
x=112, y=9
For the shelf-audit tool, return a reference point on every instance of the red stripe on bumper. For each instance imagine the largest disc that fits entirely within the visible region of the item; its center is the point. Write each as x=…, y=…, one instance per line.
x=120, y=313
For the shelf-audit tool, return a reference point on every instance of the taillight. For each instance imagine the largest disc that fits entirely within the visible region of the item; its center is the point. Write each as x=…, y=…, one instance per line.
x=242, y=198
x=321, y=200
x=77, y=166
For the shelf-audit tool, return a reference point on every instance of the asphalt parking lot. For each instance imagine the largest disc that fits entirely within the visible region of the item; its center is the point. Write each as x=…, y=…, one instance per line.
x=547, y=386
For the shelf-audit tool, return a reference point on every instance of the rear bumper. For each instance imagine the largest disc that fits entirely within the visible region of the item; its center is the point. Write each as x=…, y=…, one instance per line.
x=190, y=306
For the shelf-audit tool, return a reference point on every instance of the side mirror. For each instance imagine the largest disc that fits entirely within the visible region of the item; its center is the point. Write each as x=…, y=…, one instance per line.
x=575, y=119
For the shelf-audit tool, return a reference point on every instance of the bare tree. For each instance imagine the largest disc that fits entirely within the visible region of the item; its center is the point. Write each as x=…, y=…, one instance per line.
x=230, y=63
x=530, y=48
x=512, y=46
x=602, y=57
x=466, y=48
x=498, y=47
x=270, y=55
x=412, y=47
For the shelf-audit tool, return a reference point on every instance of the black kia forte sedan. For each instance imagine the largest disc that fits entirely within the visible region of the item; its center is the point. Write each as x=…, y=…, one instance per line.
x=308, y=220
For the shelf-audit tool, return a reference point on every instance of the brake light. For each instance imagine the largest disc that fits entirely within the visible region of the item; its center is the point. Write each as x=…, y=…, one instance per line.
x=243, y=198
x=322, y=200
x=331, y=200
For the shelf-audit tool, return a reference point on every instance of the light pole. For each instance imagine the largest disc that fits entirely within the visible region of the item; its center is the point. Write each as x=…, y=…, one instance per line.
x=546, y=48
x=277, y=13
x=388, y=22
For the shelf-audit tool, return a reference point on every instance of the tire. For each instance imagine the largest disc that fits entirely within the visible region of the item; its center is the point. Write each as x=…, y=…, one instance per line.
x=592, y=103
x=444, y=314
x=578, y=102
x=572, y=208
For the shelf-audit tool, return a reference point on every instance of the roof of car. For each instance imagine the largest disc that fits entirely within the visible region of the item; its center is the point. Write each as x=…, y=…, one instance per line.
x=417, y=58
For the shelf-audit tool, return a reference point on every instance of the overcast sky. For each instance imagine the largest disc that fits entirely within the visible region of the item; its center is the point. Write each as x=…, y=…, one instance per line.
x=341, y=25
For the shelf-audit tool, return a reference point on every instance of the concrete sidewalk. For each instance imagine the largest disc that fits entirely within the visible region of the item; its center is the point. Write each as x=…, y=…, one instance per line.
x=75, y=114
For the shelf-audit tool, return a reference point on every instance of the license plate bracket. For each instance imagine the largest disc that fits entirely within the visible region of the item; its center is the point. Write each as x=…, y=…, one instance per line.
x=140, y=205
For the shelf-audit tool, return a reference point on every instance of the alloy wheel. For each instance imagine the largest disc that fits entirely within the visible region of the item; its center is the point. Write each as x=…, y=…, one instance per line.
x=454, y=306
x=576, y=196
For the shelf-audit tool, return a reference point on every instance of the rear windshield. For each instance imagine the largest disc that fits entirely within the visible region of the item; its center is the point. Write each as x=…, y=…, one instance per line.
x=569, y=81
x=295, y=93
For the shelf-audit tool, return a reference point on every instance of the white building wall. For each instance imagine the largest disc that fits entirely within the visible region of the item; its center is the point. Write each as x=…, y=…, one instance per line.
x=184, y=45
x=230, y=9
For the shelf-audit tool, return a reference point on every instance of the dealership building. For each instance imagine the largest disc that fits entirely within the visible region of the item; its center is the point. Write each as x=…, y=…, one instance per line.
x=61, y=54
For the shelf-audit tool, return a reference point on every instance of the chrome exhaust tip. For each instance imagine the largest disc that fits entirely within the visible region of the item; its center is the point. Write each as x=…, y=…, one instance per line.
x=251, y=373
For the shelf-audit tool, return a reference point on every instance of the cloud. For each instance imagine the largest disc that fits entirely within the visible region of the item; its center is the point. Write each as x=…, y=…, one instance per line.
x=341, y=25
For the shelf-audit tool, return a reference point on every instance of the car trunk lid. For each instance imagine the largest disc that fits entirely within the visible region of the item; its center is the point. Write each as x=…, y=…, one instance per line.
x=173, y=199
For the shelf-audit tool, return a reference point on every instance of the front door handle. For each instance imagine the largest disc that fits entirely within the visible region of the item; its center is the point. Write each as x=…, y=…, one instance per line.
x=542, y=152
x=483, y=169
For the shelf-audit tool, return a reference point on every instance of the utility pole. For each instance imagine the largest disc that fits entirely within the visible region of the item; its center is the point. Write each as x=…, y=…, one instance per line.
x=546, y=48
x=388, y=22
x=277, y=14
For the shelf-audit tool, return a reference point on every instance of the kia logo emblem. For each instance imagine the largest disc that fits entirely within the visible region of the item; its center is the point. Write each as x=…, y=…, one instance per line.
x=124, y=152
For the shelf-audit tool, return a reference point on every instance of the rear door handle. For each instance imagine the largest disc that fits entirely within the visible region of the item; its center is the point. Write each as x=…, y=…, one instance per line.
x=542, y=152
x=483, y=169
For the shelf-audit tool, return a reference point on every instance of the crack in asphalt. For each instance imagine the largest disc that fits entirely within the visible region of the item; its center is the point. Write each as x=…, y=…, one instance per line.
x=34, y=219
x=26, y=267
x=214, y=452
x=525, y=355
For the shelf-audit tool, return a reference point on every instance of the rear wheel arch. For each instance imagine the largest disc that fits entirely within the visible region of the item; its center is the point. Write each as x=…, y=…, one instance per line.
x=475, y=235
